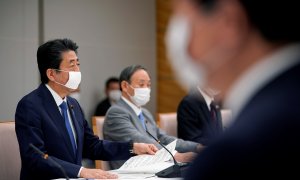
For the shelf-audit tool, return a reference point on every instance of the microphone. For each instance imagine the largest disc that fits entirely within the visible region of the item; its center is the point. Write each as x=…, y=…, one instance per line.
x=177, y=170
x=45, y=156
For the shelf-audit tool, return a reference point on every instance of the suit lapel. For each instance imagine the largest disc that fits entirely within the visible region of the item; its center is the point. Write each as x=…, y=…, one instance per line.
x=136, y=120
x=56, y=116
x=204, y=107
x=212, y=126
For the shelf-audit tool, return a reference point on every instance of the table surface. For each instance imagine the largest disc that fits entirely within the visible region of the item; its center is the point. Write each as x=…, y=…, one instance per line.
x=132, y=176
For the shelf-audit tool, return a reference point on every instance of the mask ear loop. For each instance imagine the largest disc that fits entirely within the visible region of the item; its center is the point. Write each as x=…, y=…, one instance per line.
x=59, y=70
x=130, y=87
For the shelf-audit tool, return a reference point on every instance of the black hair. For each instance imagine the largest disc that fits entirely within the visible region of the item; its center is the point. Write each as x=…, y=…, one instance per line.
x=111, y=80
x=49, y=55
x=127, y=73
x=276, y=20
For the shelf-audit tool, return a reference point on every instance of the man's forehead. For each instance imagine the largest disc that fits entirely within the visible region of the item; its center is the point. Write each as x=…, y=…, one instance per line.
x=141, y=79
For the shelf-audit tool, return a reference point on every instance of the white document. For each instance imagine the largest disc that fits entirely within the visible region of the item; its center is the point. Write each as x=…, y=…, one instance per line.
x=149, y=163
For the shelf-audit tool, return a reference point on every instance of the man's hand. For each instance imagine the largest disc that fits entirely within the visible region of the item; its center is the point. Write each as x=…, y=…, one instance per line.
x=96, y=174
x=142, y=148
x=185, y=157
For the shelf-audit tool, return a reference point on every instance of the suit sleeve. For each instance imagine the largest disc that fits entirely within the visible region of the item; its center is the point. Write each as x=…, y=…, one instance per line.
x=181, y=145
x=93, y=148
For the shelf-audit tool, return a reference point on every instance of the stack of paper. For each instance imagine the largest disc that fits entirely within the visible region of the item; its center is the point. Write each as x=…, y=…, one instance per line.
x=149, y=163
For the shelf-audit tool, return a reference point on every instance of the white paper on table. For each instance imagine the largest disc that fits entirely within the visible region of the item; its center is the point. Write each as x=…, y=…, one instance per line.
x=149, y=163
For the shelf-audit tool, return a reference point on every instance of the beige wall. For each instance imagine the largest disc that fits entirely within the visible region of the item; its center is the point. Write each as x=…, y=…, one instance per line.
x=18, y=43
x=169, y=92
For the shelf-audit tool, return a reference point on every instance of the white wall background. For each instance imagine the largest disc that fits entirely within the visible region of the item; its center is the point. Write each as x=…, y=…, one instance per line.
x=111, y=35
x=18, y=44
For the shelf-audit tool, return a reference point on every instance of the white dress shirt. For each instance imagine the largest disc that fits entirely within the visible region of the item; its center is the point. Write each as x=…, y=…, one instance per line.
x=137, y=110
x=58, y=101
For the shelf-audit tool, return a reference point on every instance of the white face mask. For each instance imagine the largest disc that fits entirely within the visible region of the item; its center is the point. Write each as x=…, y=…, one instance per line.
x=74, y=79
x=141, y=96
x=114, y=95
x=188, y=73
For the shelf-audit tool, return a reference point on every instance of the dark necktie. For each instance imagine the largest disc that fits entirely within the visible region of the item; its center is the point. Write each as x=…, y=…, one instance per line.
x=213, y=113
x=64, y=112
x=142, y=119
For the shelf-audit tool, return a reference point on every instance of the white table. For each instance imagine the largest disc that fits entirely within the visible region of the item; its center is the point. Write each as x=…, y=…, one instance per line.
x=137, y=178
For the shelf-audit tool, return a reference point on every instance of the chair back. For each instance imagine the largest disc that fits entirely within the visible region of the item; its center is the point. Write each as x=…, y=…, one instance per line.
x=98, y=122
x=10, y=161
x=168, y=123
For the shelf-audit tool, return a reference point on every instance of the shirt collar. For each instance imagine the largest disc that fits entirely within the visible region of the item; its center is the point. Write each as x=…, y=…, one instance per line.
x=206, y=97
x=57, y=98
x=136, y=109
x=259, y=75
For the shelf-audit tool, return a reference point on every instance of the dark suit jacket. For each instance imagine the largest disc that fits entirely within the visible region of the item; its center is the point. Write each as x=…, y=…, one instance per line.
x=264, y=141
x=102, y=107
x=194, y=119
x=38, y=121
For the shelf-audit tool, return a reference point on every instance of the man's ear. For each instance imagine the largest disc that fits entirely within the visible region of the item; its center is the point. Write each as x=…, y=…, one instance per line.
x=124, y=86
x=50, y=74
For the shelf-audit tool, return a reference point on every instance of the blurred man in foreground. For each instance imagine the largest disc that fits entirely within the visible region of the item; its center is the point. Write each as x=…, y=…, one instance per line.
x=248, y=49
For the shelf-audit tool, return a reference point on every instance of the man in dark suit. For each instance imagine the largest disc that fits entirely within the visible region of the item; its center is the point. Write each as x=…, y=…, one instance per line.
x=54, y=122
x=113, y=94
x=250, y=50
x=199, y=118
